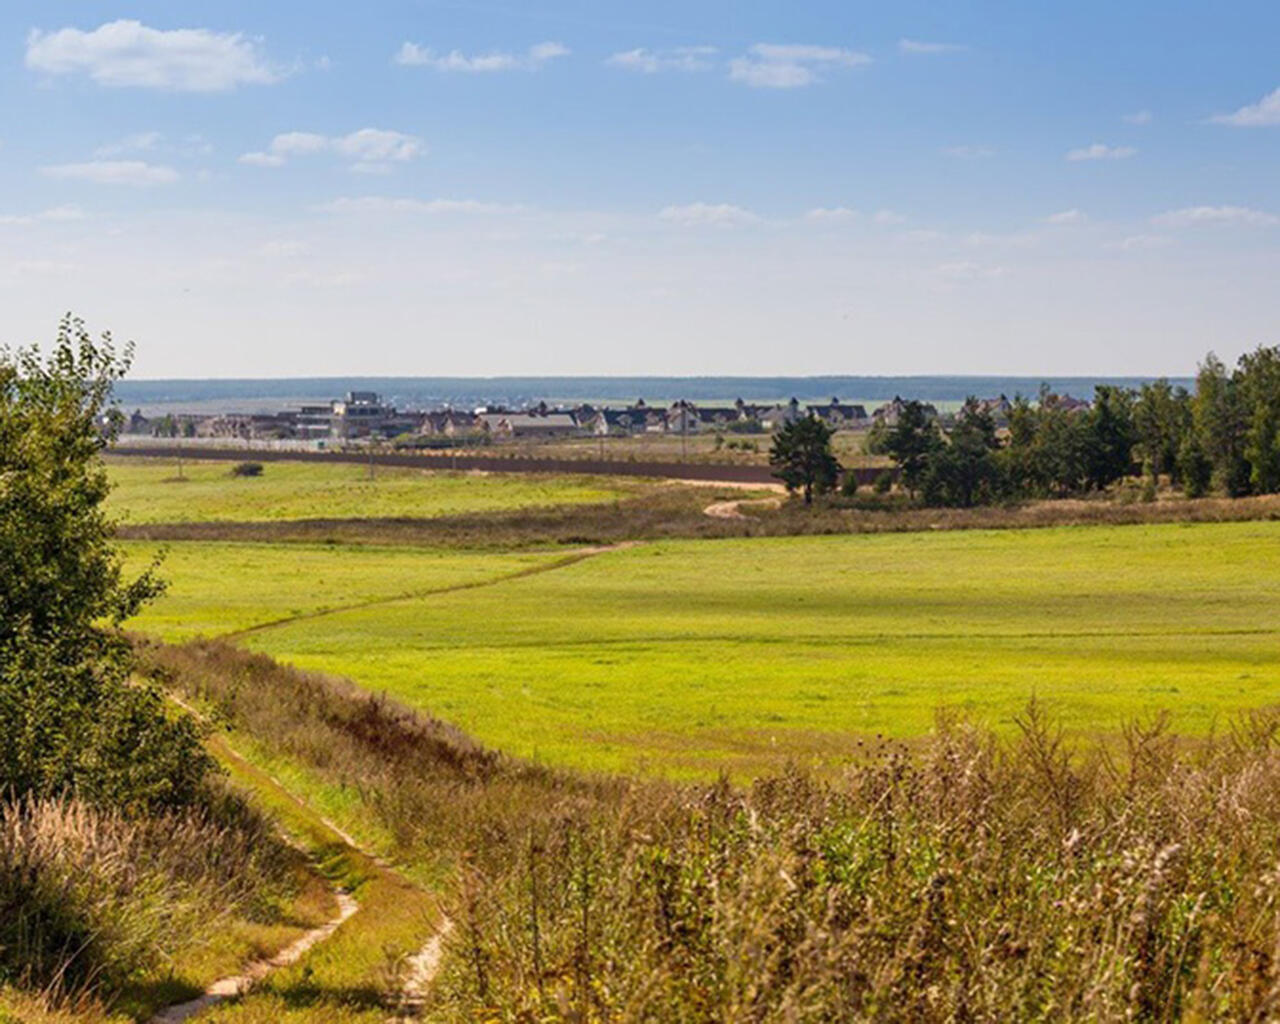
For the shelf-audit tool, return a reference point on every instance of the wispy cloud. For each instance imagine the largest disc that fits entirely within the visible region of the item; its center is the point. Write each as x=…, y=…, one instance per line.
x=1264, y=113
x=533, y=59
x=1133, y=243
x=789, y=65
x=377, y=205
x=720, y=215
x=1066, y=217
x=1101, y=151
x=53, y=215
x=139, y=142
x=650, y=62
x=831, y=215
x=966, y=270
x=1139, y=117
x=919, y=48
x=129, y=53
x=1193, y=216
x=369, y=149
x=115, y=172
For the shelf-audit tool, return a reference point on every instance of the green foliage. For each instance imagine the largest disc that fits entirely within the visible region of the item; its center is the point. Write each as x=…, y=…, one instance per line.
x=69, y=716
x=247, y=469
x=802, y=458
x=964, y=471
x=911, y=441
x=1161, y=422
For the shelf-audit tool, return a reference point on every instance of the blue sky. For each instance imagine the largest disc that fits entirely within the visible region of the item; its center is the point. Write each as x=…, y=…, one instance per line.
x=698, y=187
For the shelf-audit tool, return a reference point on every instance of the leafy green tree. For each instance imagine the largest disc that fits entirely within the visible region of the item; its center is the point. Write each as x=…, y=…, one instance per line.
x=964, y=471
x=910, y=442
x=70, y=718
x=802, y=458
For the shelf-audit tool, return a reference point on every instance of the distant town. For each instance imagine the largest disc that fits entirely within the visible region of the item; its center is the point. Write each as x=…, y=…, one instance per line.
x=365, y=416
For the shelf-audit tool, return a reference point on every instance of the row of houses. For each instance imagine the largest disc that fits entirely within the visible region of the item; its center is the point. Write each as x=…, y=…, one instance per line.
x=364, y=414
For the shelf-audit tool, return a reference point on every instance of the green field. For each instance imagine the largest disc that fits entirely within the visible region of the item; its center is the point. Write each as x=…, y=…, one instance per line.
x=148, y=491
x=220, y=588
x=684, y=656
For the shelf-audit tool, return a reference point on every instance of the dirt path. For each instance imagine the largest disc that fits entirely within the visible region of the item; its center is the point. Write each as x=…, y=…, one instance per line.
x=237, y=984
x=421, y=968
x=733, y=509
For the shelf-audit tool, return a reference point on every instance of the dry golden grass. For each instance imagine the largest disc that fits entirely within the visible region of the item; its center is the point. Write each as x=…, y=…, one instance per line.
x=969, y=879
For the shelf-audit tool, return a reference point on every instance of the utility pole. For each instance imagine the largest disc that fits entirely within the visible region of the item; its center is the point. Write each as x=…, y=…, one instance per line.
x=684, y=431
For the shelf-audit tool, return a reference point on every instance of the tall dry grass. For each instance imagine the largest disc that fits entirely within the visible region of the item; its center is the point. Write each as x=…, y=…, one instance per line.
x=974, y=878
x=92, y=900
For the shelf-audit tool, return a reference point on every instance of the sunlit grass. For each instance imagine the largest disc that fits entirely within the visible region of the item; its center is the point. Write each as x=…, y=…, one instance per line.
x=149, y=491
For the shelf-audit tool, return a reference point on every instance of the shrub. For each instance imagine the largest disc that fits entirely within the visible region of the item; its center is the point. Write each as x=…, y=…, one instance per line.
x=70, y=719
x=883, y=482
x=247, y=469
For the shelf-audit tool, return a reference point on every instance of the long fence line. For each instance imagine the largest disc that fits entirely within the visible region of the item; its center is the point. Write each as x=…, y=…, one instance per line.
x=717, y=472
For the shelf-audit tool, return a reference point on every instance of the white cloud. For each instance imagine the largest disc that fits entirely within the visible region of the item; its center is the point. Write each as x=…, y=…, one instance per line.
x=1101, y=151
x=1066, y=217
x=969, y=152
x=370, y=150
x=790, y=66
x=965, y=270
x=1139, y=117
x=115, y=172
x=1263, y=113
x=1192, y=216
x=649, y=62
x=888, y=218
x=139, y=142
x=708, y=214
x=54, y=215
x=1133, y=243
x=917, y=47
x=128, y=53
x=260, y=159
x=533, y=59
x=388, y=204
x=831, y=215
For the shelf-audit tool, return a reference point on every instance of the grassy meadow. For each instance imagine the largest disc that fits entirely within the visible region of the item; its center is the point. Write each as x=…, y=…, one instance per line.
x=685, y=657
x=150, y=491
x=218, y=588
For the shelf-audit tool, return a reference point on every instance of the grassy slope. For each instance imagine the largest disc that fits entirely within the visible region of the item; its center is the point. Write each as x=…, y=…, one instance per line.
x=217, y=588
x=146, y=492
x=700, y=653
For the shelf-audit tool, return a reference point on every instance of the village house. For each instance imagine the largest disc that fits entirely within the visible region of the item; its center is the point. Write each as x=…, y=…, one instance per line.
x=838, y=415
x=889, y=413
x=532, y=423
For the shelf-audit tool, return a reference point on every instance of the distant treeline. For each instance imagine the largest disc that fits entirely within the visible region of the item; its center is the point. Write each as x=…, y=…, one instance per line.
x=465, y=392
x=1223, y=436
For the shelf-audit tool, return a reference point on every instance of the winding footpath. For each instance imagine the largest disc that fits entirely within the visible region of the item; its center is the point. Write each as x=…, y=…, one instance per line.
x=238, y=984
x=420, y=969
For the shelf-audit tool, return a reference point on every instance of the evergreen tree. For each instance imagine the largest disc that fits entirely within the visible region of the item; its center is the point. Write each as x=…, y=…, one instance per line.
x=802, y=458
x=910, y=442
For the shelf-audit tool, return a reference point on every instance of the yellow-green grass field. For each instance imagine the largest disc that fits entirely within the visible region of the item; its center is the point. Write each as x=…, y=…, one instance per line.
x=216, y=588
x=685, y=657
x=149, y=491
